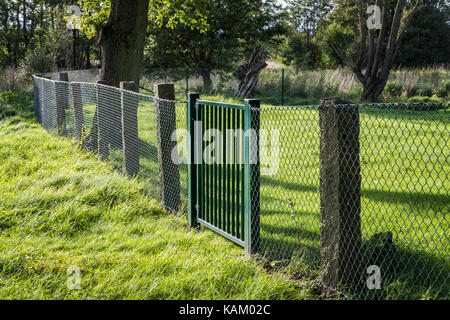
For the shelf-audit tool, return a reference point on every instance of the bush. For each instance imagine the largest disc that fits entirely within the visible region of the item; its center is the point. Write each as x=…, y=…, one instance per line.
x=425, y=90
x=37, y=61
x=443, y=89
x=425, y=99
x=394, y=89
x=423, y=103
x=10, y=79
x=8, y=97
x=412, y=91
x=16, y=104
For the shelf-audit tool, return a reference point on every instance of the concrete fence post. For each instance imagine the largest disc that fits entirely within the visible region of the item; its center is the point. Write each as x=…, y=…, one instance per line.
x=45, y=92
x=102, y=120
x=78, y=111
x=130, y=135
x=169, y=174
x=340, y=193
x=62, y=102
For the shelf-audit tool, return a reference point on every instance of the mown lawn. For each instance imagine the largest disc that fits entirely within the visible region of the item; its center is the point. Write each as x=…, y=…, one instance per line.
x=61, y=207
x=404, y=167
x=404, y=191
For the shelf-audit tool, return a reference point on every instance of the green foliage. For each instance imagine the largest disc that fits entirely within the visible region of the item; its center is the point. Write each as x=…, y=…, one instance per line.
x=426, y=99
x=443, y=89
x=161, y=13
x=300, y=53
x=126, y=246
x=95, y=14
x=394, y=89
x=234, y=28
x=426, y=41
x=16, y=104
x=39, y=60
x=8, y=97
x=337, y=38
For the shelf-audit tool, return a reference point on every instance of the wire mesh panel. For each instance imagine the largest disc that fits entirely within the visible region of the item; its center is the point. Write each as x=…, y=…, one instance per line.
x=397, y=244
x=405, y=201
x=290, y=217
x=102, y=118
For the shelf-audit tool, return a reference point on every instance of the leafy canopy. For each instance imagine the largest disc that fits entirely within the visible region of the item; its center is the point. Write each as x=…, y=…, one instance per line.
x=95, y=14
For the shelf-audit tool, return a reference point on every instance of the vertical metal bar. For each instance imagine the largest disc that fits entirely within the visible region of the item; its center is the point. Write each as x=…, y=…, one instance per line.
x=215, y=168
x=203, y=210
x=252, y=176
x=233, y=175
x=238, y=174
x=194, y=183
x=243, y=180
x=224, y=174
x=220, y=173
x=209, y=173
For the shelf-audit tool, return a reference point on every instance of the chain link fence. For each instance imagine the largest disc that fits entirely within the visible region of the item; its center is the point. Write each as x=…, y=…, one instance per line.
x=94, y=114
x=359, y=199
x=352, y=196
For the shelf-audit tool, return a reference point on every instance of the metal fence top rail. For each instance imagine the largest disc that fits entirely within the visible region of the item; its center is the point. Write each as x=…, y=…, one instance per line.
x=220, y=104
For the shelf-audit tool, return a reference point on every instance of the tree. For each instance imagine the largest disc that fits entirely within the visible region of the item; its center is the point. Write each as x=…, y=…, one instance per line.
x=235, y=28
x=307, y=14
x=122, y=36
x=247, y=74
x=376, y=49
x=427, y=40
x=300, y=53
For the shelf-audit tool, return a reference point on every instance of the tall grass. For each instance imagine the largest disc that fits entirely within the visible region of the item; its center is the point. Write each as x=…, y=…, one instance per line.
x=309, y=86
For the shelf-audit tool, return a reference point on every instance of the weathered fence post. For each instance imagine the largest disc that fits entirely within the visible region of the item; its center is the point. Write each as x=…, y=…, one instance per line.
x=45, y=103
x=130, y=135
x=102, y=122
x=252, y=176
x=78, y=111
x=193, y=168
x=37, y=100
x=169, y=174
x=340, y=193
x=62, y=102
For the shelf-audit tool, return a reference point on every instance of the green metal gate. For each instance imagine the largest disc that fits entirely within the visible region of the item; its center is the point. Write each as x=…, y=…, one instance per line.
x=223, y=192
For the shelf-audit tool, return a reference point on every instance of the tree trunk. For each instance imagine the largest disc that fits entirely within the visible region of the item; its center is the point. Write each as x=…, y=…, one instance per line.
x=373, y=57
x=206, y=78
x=122, y=41
x=247, y=75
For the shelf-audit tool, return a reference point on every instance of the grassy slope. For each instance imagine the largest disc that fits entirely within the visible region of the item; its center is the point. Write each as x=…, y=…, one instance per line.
x=59, y=206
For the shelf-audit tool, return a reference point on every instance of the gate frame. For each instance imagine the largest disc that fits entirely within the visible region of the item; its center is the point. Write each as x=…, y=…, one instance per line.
x=251, y=183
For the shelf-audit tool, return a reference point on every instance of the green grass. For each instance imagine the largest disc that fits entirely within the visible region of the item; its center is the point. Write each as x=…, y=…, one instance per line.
x=61, y=207
x=404, y=168
x=404, y=160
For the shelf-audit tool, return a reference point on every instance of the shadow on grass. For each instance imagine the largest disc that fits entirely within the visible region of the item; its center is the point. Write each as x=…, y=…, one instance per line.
x=436, y=202
x=407, y=272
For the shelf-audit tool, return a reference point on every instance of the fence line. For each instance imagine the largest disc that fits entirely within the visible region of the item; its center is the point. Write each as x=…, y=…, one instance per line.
x=356, y=196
